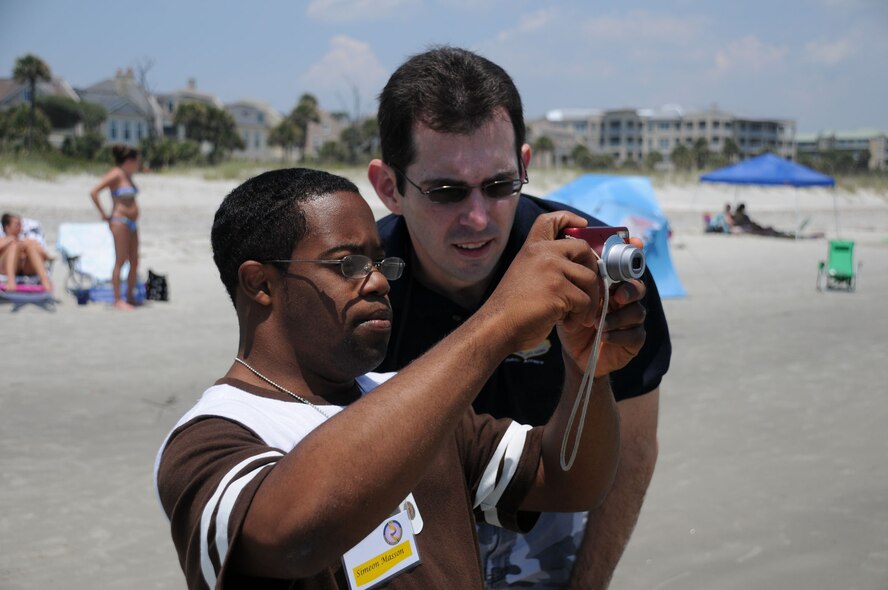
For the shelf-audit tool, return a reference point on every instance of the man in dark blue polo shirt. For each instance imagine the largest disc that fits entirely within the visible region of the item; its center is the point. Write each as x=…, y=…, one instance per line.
x=454, y=159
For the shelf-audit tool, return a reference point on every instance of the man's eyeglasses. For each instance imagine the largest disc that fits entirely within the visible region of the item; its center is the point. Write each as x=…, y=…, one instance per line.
x=447, y=195
x=358, y=266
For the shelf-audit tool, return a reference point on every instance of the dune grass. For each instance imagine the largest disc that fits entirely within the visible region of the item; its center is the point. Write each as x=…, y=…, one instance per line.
x=45, y=165
x=49, y=165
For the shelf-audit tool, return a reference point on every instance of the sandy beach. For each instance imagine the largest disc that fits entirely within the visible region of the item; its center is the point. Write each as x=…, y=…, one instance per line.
x=772, y=472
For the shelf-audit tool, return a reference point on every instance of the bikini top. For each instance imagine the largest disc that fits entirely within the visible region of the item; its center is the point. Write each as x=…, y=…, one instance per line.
x=125, y=191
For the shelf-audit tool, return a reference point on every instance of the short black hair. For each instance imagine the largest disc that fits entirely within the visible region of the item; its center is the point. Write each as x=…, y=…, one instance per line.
x=448, y=89
x=262, y=219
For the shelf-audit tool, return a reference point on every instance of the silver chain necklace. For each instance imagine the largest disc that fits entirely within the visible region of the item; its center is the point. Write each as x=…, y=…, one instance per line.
x=281, y=388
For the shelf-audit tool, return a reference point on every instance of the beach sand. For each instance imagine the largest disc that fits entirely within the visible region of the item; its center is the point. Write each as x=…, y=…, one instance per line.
x=772, y=471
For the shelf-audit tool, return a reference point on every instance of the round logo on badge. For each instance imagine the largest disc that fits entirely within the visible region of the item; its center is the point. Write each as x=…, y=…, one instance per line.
x=392, y=532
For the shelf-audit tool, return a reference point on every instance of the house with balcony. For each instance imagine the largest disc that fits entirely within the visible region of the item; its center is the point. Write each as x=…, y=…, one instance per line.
x=255, y=120
x=12, y=93
x=170, y=101
x=329, y=128
x=133, y=113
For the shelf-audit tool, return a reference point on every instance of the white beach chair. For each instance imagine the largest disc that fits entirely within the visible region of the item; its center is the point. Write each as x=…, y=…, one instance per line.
x=88, y=250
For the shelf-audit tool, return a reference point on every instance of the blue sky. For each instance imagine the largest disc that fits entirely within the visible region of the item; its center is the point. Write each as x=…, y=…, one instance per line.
x=823, y=63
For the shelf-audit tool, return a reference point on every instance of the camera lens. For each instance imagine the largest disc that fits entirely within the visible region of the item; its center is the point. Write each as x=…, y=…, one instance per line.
x=623, y=261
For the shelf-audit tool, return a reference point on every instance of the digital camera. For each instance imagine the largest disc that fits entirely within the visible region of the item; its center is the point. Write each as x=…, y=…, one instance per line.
x=622, y=260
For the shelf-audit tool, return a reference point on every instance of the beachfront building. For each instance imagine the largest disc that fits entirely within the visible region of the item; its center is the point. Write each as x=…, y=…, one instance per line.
x=12, y=93
x=328, y=129
x=856, y=143
x=255, y=120
x=566, y=129
x=133, y=113
x=664, y=130
x=170, y=101
x=631, y=135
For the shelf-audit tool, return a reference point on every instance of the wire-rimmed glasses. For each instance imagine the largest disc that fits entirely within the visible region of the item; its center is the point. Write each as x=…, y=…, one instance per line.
x=358, y=266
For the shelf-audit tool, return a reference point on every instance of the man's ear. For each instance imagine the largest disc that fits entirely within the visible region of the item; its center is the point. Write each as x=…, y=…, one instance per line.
x=255, y=281
x=384, y=181
x=525, y=155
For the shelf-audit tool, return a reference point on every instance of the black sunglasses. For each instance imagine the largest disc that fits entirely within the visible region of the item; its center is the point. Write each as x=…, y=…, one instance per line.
x=358, y=266
x=447, y=195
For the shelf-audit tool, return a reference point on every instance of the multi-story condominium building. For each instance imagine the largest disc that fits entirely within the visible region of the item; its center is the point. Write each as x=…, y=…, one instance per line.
x=632, y=134
x=133, y=113
x=853, y=143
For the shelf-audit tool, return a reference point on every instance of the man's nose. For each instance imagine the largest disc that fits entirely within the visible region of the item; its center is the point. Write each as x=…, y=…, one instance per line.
x=476, y=213
x=376, y=282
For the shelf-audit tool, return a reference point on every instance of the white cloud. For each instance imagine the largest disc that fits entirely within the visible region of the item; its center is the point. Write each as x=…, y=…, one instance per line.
x=348, y=65
x=829, y=54
x=747, y=54
x=348, y=10
x=467, y=4
x=528, y=23
x=643, y=26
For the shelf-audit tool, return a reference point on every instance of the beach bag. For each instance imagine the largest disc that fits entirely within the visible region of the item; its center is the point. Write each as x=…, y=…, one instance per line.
x=156, y=288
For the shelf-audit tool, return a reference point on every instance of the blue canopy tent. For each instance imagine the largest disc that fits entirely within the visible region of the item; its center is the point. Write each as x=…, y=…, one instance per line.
x=628, y=201
x=769, y=169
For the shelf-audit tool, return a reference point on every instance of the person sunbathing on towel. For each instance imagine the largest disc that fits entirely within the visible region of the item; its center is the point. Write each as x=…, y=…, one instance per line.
x=18, y=256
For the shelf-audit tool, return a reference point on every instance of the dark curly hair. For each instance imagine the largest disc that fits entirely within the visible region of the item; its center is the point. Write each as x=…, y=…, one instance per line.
x=262, y=219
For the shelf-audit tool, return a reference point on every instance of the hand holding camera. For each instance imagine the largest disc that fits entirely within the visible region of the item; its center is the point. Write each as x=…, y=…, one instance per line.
x=595, y=353
x=623, y=263
x=622, y=260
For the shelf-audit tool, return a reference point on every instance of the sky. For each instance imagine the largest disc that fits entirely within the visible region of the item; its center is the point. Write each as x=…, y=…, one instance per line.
x=823, y=63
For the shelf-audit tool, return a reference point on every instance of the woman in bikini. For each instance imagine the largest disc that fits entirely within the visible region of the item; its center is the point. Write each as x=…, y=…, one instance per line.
x=18, y=256
x=122, y=220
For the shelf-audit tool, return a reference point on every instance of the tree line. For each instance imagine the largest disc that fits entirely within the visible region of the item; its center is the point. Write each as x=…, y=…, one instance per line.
x=210, y=132
x=211, y=135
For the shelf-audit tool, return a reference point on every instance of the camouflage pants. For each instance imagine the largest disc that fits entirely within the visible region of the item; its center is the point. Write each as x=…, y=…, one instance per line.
x=543, y=558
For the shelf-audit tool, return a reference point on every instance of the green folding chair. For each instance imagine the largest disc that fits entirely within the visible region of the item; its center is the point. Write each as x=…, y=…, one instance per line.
x=839, y=270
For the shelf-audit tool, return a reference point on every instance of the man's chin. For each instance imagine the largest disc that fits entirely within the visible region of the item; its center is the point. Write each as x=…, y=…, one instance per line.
x=370, y=356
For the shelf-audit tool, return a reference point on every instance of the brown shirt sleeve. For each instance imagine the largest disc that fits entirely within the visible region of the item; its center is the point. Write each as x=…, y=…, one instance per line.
x=208, y=474
x=500, y=458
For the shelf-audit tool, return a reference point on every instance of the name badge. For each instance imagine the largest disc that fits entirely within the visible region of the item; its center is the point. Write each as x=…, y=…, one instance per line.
x=383, y=554
x=409, y=504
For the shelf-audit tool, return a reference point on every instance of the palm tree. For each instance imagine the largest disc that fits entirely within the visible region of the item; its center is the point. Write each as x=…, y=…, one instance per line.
x=544, y=145
x=30, y=69
x=700, y=152
x=652, y=159
x=305, y=112
x=286, y=135
x=730, y=149
x=681, y=157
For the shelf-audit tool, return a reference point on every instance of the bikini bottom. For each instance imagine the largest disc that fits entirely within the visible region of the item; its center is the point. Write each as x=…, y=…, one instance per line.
x=129, y=223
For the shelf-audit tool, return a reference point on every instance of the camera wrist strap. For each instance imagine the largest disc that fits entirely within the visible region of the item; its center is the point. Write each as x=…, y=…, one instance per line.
x=585, y=390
